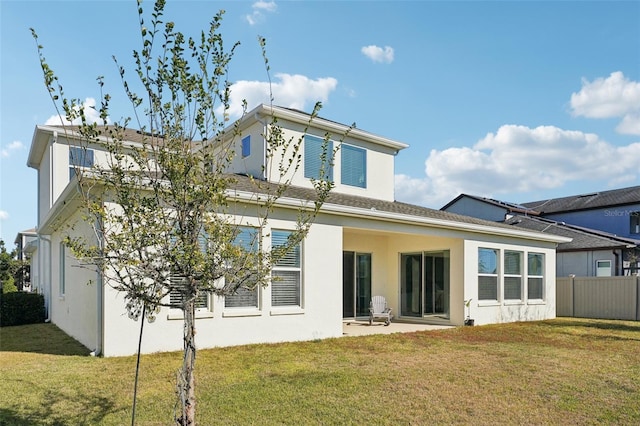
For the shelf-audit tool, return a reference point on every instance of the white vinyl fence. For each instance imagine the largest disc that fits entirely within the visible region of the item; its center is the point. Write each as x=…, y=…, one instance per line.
x=598, y=297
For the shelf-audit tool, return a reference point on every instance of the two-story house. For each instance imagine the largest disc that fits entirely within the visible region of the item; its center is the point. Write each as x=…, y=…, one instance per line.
x=425, y=262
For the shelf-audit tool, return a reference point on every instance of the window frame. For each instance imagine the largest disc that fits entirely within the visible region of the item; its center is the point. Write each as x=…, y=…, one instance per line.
x=349, y=156
x=203, y=303
x=246, y=146
x=493, y=275
x=532, y=276
x=281, y=269
x=634, y=223
x=242, y=293
x=597, y=262
x=313, y=151
x=80, y=158
x=509, y=278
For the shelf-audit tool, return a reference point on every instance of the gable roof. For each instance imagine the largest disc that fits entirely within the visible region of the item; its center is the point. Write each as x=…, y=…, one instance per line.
x=582, y=238
x=615, y=197
x=509, y=207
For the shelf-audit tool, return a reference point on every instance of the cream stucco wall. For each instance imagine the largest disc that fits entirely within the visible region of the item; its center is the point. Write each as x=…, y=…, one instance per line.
x=75, y=311
x=319, y=317
x=490, y=312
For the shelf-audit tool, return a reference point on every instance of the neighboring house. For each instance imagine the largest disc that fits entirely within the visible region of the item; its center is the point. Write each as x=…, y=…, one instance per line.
x=616, y=211
x=485, y=208
x=605, y=227
x=425, y=262
x=590, y=253
x=26, y=243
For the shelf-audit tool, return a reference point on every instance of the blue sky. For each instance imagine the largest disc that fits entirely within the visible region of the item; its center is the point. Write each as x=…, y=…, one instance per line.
x=519, y=101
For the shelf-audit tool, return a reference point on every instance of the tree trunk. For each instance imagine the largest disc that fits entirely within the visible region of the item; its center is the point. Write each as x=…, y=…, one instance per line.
x=186, y=384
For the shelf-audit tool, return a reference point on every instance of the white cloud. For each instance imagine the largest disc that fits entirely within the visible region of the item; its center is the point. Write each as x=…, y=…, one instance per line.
x=291, y=91
x=90, y=111
x=614, y=96
x=258, y=8
x=518, y=159
x=378, y=54
x=4, y=215
x=12, y=147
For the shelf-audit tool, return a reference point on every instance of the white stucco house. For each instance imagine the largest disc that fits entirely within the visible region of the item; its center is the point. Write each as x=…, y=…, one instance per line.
x=425, y=262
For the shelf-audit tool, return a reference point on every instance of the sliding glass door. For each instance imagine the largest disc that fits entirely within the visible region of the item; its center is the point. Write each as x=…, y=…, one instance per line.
x=356, y=284
x=424, y=284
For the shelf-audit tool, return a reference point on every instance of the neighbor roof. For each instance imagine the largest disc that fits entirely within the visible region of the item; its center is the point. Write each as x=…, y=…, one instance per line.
x=582, y=238
x=511, y=207
x=615, y=197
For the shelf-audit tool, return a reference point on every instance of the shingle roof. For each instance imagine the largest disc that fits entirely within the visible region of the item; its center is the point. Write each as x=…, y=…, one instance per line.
x=245, y=184
x=615, y=197
x=583, y=238
x=511, y=207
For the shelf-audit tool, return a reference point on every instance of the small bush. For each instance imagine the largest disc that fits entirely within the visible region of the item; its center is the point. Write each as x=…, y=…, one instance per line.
x=19, y=308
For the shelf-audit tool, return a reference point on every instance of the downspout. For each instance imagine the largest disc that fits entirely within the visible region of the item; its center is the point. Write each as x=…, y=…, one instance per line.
x=616, y=256
x=99, y=300
x=42, y=260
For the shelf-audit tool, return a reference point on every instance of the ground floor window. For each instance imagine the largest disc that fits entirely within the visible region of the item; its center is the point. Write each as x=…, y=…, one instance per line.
x=176, y=295
x=512, y=275
x=535, y=276
x=603, y=268
x=501, y=275
x=246, y=296
x=286, y=283
x=487, y=274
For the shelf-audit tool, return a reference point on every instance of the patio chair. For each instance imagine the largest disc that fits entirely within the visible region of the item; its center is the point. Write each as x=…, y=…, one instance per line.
x=378, y=309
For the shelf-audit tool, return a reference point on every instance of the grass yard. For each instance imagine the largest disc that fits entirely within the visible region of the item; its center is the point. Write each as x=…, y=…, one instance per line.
x=565, y=371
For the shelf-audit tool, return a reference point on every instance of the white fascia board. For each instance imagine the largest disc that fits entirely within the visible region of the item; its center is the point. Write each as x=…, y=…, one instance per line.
x=408, y=219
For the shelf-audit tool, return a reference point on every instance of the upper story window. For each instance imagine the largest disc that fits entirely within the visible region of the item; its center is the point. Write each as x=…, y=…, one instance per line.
x=317, y=158
x=79, y=157
x=246, y=146
x=354, y=166
x=634, y=220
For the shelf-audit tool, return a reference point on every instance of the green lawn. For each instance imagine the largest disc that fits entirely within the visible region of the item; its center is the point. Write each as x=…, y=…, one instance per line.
x=565, y=371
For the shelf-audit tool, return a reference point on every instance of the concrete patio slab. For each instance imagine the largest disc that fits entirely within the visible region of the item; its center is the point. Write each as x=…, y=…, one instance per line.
x=362, y=328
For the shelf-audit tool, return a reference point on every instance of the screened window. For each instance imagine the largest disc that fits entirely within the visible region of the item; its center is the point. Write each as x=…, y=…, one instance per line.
x=317, y=158
x=512, y=275
x=286, y=273
x=245, y=296
x=487, y=274
x=354, y=166
x=246, y=146
x=535, y=275
x=79, y=157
